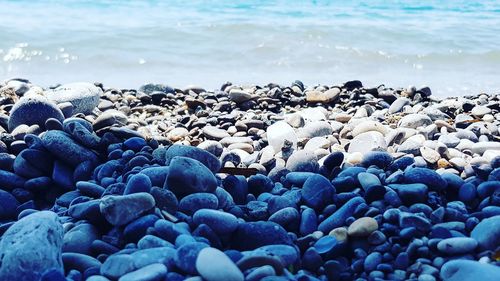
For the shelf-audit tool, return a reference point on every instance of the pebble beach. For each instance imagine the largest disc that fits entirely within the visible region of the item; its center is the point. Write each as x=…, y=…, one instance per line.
x=262, y=182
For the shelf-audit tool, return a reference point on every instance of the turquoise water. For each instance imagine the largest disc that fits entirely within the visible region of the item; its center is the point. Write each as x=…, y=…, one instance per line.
x=451, y=46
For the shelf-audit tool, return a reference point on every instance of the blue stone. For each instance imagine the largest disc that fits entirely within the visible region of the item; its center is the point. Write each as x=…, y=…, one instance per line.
x=8, y=205
x=186, y=255
x=487, y=232
x=352, y=172
x=465, y=270
x=237, y=186
x=221, y=222
x=380, y=159
x=251, y=235
x=457, y=245
x=90, y=189
x=287, y=217
x=487, y=188
x=308, y=222
x=467, y=193
x=138, y=183
x=426, y=176
x=411, y=193
x=325, y=244
x=402, y=163
x=333, y=160
x=371, y=261
x=203, y=156
x=317, y=192
x=135, y=143
x=298, y=178
x=259, y=183
x=411, y=220
x=194, y=202
x=137, y=229
x=344, y=184
x=189, y=176
x=338, y=218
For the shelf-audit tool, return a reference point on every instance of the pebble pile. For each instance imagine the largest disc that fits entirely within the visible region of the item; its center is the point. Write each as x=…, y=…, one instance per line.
x=247, y=183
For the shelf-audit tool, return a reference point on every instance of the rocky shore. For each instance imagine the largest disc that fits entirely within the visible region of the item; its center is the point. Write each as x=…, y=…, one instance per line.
x=249, y=183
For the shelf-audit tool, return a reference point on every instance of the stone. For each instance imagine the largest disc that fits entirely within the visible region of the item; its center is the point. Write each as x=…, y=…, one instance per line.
x=122, y=209
x=110, y=118
x=79, y=239
x=466, y=270
x=315, y=129
x=368, y=126
x=317, y=192
x=411, y=193
x=220, y=222
x=214, y=133
x=64, y=148
x=278, y=132
x=196, y=201
x=117, y=265
x=239, y=96
x=338, y=218
x=325, y=244
x=214, y=265
x=186, y=256
x=206, y=158
x=79, y=262
x=481, y=147
x=480, y=111
x=486, y=233
x=414, y=121
x=457, y=245
x=187, y=176
x=31, y=246
x=164, y=255
x=33, y=110
x=302, y=161
x=327, y=96
x=366, y=142
x=83, y=96
x=251, y=235
x=398, y=104
x=152, y=272
x=380, y=159
x=138, y=183
x=362, y=227
x=8, y=205
x=430, y=155
x=426, y=176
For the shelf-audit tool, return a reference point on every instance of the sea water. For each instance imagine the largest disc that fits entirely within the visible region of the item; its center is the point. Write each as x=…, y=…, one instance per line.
x=453, y=46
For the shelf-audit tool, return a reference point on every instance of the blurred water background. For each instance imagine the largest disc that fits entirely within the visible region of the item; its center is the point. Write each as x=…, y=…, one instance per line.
x=453, y=46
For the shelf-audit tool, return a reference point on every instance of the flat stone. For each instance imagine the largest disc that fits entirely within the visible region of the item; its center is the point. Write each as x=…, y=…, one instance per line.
x=117, y=265
x=214, y=133
x=323, y=97
x=153, y=272
x=457, y=245
x=122, y=209
x=64, y=148
x=487, y=232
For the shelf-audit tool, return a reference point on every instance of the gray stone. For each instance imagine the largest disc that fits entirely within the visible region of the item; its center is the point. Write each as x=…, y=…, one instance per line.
x=398, y=104
x=414, y=121
x=214, y=265
x=214, y=133
x=83, y=96
x=122, y=209
x=302, y=161
x=110, y=118
x=31, y=246
x=315, y=129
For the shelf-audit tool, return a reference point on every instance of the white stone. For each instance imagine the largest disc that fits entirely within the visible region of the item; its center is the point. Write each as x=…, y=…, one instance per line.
x=278, y=132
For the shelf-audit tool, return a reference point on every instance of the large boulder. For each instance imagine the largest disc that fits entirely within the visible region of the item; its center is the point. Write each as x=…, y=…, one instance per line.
x=83, y=96
x=31, y=246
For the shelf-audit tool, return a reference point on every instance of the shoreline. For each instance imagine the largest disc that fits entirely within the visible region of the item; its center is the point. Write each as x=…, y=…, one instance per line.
x=319, y=183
